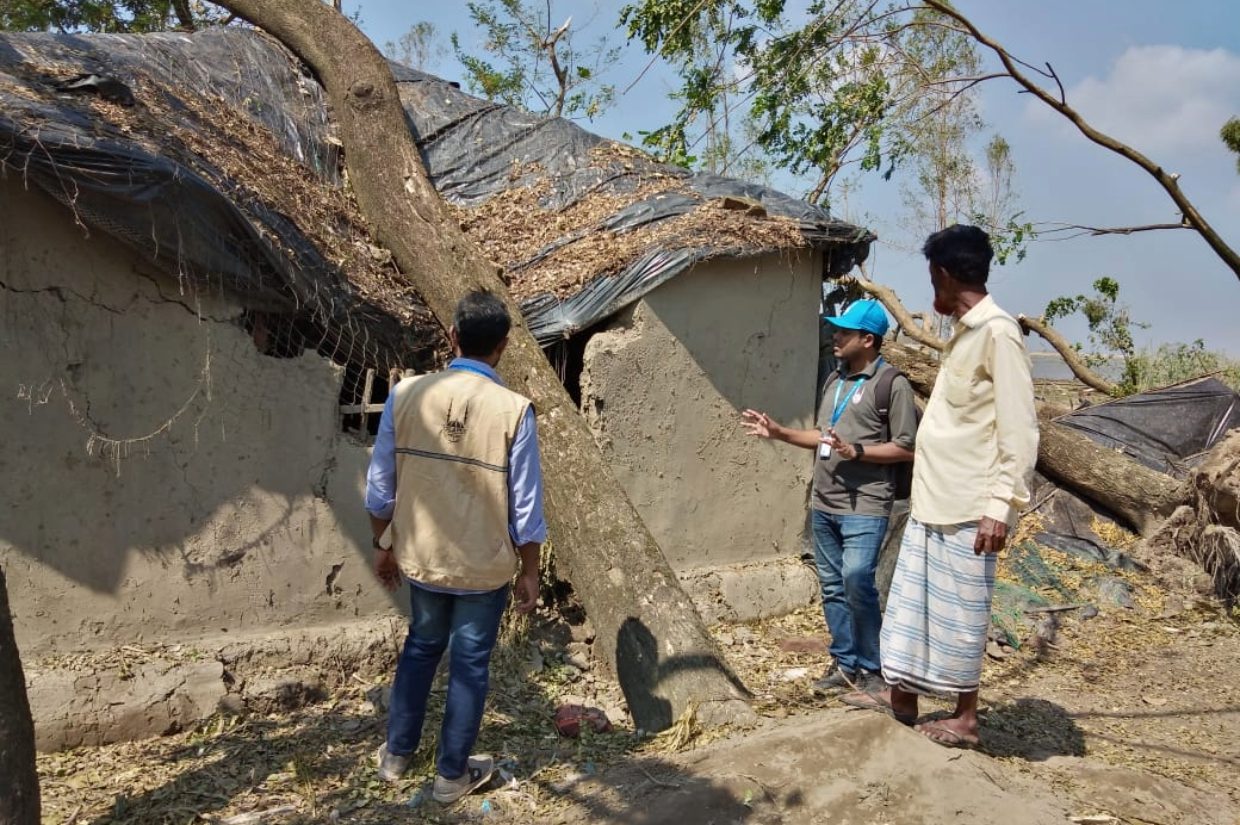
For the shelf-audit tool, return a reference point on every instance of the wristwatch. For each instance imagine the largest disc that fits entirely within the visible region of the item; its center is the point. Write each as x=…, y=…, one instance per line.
x=860, y=448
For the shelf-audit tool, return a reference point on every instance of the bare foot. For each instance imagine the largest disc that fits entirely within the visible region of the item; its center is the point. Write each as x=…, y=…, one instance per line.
x=903, y=711
x=951, y=733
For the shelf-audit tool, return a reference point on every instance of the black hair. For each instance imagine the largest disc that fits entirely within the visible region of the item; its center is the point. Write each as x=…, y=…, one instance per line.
x=963, y=251
x=482, y=322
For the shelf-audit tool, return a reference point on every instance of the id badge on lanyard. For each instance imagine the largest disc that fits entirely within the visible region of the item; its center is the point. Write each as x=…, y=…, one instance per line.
x=824, y=449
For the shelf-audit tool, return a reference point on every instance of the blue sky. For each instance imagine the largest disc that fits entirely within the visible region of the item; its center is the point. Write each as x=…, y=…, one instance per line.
x=1162, y=77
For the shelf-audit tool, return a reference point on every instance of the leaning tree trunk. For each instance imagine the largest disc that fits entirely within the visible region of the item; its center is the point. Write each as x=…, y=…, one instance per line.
x=19, y=781
x=647, y=627
x=1138, y=496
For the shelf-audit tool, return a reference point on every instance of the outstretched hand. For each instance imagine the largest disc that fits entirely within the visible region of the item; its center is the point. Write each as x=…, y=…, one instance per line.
x=838, y=445
x=758, y=424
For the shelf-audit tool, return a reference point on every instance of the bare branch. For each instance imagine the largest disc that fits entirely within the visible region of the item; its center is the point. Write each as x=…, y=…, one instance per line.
x=1063, y=96
x=1070, y=356
x=888, y=298
x=1079, y=230
x=1167, y=181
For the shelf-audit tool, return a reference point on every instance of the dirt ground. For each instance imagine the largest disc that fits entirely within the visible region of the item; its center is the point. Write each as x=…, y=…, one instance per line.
x=1132, y=716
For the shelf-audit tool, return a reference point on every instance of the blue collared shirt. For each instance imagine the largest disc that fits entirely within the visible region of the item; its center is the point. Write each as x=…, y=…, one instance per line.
x=525, y=486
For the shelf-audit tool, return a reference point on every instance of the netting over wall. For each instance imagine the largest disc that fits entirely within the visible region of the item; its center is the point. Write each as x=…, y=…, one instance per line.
x=211, y=155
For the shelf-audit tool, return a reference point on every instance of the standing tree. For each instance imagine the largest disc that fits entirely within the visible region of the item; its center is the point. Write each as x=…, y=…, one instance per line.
x=418, y=48
x=539, y=68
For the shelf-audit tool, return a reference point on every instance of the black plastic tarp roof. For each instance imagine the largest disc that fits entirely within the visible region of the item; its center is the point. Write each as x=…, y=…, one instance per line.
x=472, y=147
x=169, y=199
x=199, y=222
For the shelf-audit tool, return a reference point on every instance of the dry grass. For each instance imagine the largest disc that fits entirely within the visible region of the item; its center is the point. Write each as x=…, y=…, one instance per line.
x=242, y=159
x=559, y=250
x=1094, y=690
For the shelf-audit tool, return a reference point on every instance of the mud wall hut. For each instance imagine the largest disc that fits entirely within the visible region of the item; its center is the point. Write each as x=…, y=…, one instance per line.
x=200, y=333
x=191, y=316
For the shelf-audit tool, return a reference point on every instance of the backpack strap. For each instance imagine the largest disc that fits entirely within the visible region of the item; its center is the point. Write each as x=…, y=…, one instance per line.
x=882, y=396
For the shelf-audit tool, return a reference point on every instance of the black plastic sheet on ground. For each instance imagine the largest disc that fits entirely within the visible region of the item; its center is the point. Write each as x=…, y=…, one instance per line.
x=1163, y=429
x=1167, y=430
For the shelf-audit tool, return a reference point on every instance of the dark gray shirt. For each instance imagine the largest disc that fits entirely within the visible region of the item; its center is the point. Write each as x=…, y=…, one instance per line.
x=861, y=487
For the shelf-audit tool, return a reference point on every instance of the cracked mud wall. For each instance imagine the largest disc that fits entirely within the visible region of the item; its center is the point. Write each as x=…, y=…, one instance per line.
x=161, y=479
x=663, y=389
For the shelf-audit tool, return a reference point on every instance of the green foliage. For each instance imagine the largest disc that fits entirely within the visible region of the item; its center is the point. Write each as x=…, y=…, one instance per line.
x=833, y=85
x=1230, y=133
x=527, y=61
x=1110, y=329
x=1110, y=338
x=106, y=15
x=1173, y=363
x=86, y=15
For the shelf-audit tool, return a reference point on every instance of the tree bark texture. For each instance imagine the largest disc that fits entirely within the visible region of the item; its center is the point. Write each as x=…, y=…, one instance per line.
x=19, y=780
x=1136, y=495
x=648, y=629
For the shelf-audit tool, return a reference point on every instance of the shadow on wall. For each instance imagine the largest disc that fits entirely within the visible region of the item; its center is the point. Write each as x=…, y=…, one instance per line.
x=144, y=422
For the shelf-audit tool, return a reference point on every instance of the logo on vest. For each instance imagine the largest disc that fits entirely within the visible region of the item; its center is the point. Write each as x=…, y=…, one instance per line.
x=454, y=428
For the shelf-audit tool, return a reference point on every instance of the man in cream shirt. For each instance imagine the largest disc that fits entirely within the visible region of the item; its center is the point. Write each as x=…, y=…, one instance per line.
x=975, y=454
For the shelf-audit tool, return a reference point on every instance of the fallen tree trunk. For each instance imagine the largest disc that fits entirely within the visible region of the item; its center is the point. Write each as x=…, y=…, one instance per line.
x=19, y=781
x=1138, y=496
x=648, y=629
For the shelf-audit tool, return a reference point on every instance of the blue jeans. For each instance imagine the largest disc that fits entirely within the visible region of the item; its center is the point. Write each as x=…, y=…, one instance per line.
x=466, y=626
x=846, y=555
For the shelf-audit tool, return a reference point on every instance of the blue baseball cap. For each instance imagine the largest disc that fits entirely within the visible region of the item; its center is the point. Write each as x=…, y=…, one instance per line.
x=866, y=316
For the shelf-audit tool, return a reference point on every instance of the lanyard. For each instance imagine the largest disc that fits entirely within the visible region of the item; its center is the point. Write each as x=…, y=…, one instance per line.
x=840, y=406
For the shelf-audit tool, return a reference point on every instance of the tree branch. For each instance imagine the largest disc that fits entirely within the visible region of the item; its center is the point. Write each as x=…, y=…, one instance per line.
x=1069, y=355
x=888, y=298
x=1106, y=230
x=1167, y=181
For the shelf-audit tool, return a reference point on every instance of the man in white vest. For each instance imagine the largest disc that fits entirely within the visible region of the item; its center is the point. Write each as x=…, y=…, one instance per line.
x=454, y=493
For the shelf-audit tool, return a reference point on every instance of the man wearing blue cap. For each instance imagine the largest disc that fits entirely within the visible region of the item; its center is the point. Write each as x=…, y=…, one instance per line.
x=976, y=452
x=867, y=423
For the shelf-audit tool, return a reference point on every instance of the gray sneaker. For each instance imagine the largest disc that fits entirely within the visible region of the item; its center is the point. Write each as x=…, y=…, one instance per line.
x=479, y=773
x=391, y=766
x=835, y=679
x=869, y=682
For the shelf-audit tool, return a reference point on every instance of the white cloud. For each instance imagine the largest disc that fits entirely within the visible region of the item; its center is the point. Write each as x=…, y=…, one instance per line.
x=1159, y=98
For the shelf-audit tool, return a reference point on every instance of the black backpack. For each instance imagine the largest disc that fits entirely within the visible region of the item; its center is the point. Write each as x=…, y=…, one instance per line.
x=902, y=473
